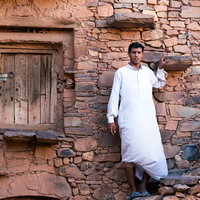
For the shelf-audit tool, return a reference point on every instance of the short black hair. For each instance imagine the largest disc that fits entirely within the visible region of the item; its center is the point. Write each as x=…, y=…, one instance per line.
x=135, y=45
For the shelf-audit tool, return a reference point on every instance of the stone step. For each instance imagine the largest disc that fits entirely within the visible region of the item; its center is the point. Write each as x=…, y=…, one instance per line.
x=176, y=179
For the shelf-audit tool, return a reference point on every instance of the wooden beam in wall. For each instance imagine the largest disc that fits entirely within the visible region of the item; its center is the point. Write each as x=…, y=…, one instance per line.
x=32, y=22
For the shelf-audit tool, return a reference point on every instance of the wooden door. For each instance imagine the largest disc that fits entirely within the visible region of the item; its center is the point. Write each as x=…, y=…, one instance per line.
x=26, y=97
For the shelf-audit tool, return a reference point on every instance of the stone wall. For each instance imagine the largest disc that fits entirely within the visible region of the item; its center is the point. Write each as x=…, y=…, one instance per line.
x=86, y=155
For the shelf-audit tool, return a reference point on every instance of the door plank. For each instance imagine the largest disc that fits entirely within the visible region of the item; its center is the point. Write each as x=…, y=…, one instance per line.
x=7, y=96
x=53, y=87
x=34, y=89
x=21, y=98
x=45, y=87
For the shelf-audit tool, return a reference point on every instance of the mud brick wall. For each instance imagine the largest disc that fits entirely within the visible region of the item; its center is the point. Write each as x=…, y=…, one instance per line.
x=84, y=163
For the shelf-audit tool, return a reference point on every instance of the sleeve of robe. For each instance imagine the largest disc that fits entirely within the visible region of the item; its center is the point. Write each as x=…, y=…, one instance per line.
x=159, y=81
x=112, y=110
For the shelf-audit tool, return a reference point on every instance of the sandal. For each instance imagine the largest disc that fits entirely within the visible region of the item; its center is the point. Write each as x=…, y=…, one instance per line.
x=134, y=195
x=145, y=194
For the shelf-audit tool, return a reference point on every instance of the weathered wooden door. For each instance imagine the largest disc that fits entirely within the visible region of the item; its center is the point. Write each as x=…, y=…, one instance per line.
x=27, y=98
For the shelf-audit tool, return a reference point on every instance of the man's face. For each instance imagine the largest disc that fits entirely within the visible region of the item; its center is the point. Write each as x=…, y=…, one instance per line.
x=136, y=55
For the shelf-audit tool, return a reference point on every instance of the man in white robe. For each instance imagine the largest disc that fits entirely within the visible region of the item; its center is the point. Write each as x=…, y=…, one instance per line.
x=141, y=146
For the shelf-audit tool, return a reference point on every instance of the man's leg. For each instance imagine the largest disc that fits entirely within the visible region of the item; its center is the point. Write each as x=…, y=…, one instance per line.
x=130, y=172
x=144, y=182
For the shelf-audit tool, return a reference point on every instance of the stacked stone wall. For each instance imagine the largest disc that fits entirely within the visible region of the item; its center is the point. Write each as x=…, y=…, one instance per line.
x=86, y=155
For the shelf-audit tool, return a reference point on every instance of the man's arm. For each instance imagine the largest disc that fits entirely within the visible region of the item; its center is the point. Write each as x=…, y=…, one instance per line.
x=113, y=103
x=160, y=81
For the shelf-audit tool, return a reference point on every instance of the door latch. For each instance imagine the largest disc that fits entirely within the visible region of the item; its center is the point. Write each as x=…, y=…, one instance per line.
x=3, y=77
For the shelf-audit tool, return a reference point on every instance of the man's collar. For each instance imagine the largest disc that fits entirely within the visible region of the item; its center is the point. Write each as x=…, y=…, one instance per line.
x=131, y=67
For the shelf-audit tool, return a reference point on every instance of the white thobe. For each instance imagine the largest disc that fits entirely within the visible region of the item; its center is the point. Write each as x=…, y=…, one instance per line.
x=138, y=128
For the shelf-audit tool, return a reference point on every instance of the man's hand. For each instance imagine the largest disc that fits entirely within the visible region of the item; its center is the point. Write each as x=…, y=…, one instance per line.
x=162, y=63
x=111, y=128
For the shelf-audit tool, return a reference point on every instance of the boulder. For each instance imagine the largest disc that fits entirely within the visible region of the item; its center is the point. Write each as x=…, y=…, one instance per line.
x=131, y=20
x=177, y=63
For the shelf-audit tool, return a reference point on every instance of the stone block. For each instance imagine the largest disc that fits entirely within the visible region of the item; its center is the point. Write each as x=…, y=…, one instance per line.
x=103, y=192
x=182, y=49
x=101, y=23
x=88, y=156
x=66, y=153
x=171, y=42
x=152, y=35
x=84, y=189
x=168, y=96
x=164, y=190
x=180, y=187
x=152, y=2
x=79, y=131
x=166, y=135
x=104, y=9
x=87, y=65
x=152, y=56
x=189, y=126
x=190, y=152
x=180, y=140
x=171, y=150
x=160, y=8
x=40, y=184
x=114, y=56
x=173, y=14
x=171, y=125
x=192, y=100
x=85, y=88
x=177, y=63
x=154, y=43
x=195, y=3
x=85, y=144
x=172, y=33
x=190, y=12
x=185, y=112
x=175, y=179
x=72, y=121
x=71, y=171
x=151, y=12
x=21, y=2
x=195, y=189
x=45, y=4
x=44, y=152
x=94, y=177
x=129, y=35
x=112, y=157
x=103, y=99
x=68, y=93
x=18, y=165
x=92, y=3
x=109, y=36
x=177, y=24
x=45, y=137
x=160, y=109
x=19, y=136
x=106, y=79
x=175, y=4
x=193, y=26
x=106, y=139
x=101, y=121
x=183, y=164
x=131, y=20
x=118, y=64
x=162, y=14
x=119, y=175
